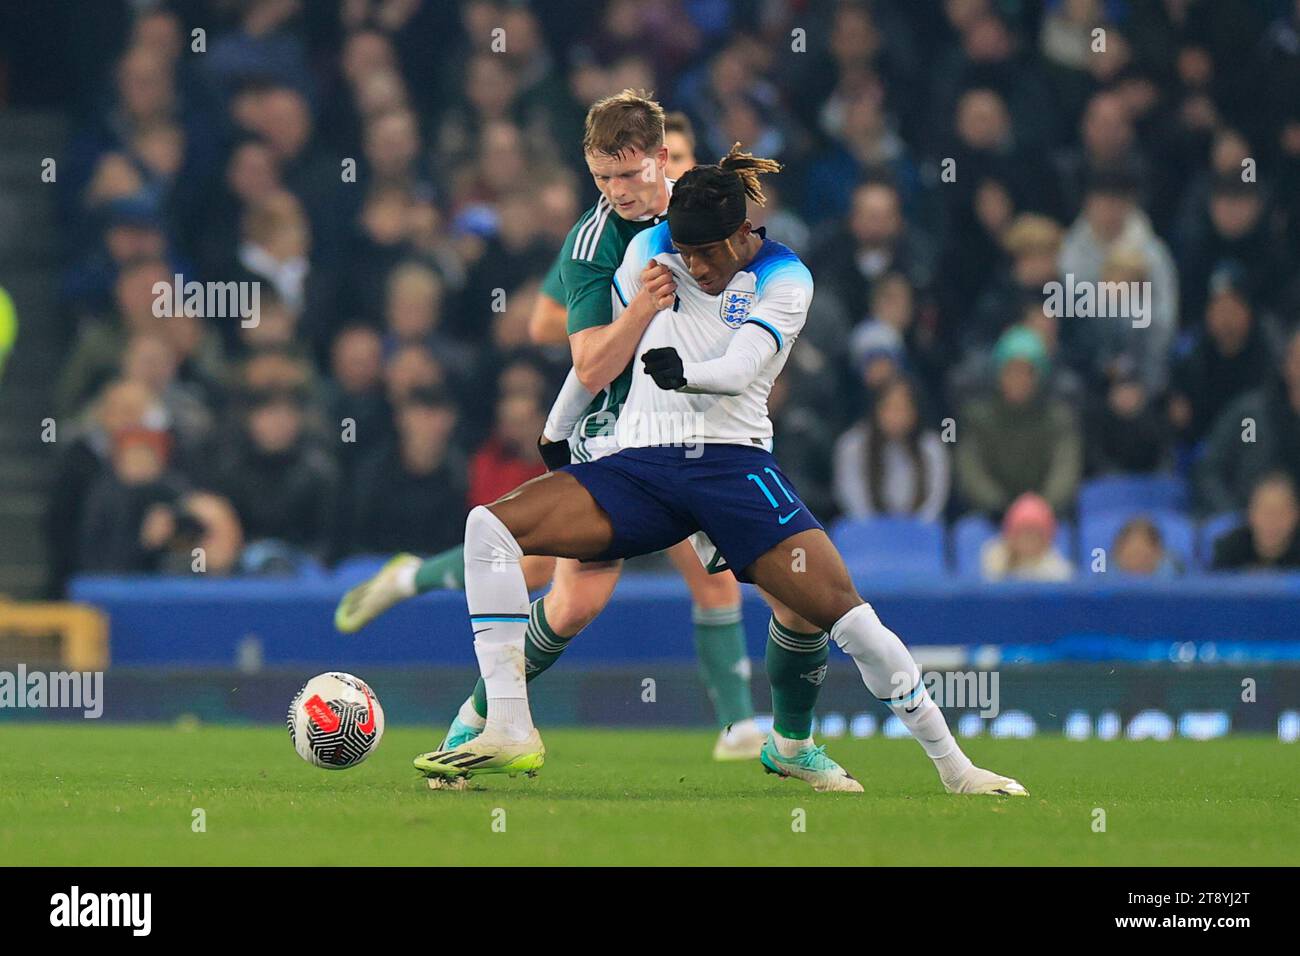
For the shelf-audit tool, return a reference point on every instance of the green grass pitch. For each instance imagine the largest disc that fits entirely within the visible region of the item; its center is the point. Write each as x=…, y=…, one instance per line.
x=102, y=795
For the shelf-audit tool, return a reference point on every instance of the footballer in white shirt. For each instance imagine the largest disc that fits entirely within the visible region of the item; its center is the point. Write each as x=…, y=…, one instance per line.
x=694, y=455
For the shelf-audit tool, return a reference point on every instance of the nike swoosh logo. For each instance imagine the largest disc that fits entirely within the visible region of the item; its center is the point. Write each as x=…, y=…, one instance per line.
x=482, y=630
x=368, y=725
x=784, y=518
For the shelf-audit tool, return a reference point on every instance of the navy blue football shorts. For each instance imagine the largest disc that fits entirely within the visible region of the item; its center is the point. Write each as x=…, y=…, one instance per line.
x=656, y=497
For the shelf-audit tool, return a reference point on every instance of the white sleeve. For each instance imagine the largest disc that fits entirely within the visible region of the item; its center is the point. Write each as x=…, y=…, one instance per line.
x=627, y=277
x=774, y=322
x=732, y=372
x=781, y=308
x=568, y=408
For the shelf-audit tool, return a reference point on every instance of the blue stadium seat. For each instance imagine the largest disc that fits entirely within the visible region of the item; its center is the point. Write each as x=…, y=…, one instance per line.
x=1132, y=493
x=968, y=537
x=970, y=533
x=907, y=546
x=352, y=571
x=1098, y=530
x=1215, y=527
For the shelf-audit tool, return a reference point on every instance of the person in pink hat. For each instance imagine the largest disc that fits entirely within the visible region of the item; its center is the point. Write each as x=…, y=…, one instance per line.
x=1024, y=551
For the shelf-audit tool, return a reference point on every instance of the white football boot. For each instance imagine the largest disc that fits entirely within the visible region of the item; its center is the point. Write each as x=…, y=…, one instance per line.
x=977, y=780
x=391, y=584
x=739, y=741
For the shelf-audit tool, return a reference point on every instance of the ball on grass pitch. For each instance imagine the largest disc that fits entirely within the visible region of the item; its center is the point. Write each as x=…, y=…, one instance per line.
x=335, y=721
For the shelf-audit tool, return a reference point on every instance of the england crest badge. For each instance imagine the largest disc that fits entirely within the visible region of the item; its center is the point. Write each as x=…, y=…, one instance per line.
x=734, y=307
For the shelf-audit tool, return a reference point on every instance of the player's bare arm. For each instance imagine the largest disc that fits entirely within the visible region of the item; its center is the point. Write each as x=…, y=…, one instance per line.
x=600, y=354
x=546, y=326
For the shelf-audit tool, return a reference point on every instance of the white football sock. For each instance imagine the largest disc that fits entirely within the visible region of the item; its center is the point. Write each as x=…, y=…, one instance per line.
x=787, y=746
x=498, y=608
x=892, y=676
x=404, y=578
x=469, y=716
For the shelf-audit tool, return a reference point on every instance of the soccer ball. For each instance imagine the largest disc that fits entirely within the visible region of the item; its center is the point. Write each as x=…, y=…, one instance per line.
x=335, y=721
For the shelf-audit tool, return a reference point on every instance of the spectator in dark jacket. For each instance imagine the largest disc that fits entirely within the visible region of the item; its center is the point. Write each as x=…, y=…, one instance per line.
x=355, y=394
x=282, y=487
x=118, y=535
x=1257, y=434
x=410, y=495
x=1268, y=540
x=85, y=459
x=1127, y=432
x=1231, y=357
x=873, y=242
x=1236, y=231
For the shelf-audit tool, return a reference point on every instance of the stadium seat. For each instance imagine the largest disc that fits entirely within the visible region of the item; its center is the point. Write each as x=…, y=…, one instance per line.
x=890, y=545
x=354, y=570
x=1132, y=493
x=971, y=532
x=1098, y=530
x=1215, y=527
x=968, y=537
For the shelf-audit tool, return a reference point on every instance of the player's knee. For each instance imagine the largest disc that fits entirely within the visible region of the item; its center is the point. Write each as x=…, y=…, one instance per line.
x=487, y=537
x=792, y=621
x=538, y=569
x=715, y=591
x=569, y=609
x=859, y=631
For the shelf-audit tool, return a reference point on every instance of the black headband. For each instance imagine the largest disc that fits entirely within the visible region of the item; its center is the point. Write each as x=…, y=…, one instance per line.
x=699, y=225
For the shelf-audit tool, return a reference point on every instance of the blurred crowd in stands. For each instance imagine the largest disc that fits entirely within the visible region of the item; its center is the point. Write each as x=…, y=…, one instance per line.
x=398, y=175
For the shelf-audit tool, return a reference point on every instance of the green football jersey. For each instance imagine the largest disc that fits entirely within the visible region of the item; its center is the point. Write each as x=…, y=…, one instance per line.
x=552, y=287
x=592, y=253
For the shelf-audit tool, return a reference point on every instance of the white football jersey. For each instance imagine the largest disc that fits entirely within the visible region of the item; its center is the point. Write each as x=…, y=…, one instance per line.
x=772, y=292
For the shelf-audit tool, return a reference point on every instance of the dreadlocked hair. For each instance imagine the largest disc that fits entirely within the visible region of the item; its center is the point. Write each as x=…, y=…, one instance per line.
x=704, y=182
x=749, y=167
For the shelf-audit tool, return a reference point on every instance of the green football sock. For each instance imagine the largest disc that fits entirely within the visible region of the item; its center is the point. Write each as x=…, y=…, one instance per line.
x=442, y=572
x=724, y=663
x=542, y=648
x=796, y=667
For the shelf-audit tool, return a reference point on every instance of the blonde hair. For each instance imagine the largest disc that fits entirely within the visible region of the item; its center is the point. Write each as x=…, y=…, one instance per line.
x=626, y=120
x=1031, y=232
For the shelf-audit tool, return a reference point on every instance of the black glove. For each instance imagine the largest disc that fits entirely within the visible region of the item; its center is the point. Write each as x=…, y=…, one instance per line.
x=665, y=367
x=554, y=453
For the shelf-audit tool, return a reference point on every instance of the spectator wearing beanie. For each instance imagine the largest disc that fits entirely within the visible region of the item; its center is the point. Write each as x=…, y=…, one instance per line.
x=1019, y=439
x=1024, y=550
